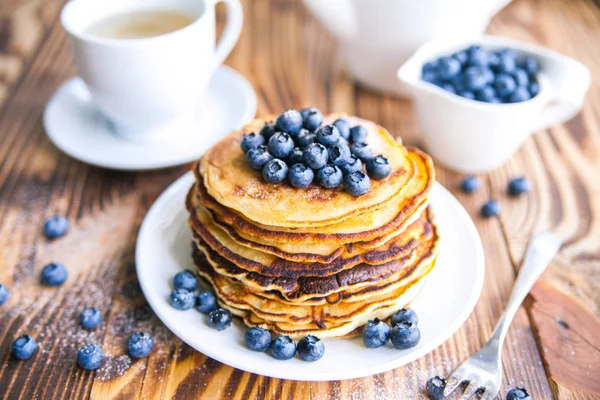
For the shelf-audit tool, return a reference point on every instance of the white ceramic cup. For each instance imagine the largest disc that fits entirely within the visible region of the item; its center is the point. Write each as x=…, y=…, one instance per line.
x=472, y=136
x=146, y=86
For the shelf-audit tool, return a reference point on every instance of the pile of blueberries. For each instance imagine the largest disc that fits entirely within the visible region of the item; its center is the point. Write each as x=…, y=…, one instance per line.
x=90, y=356
x=297, y=147
x=499, y=76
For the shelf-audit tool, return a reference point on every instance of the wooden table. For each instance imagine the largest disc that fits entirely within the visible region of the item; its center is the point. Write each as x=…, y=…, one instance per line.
x=553, y=347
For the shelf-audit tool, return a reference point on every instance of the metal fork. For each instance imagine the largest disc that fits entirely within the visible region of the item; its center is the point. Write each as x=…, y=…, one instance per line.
x=483, y=370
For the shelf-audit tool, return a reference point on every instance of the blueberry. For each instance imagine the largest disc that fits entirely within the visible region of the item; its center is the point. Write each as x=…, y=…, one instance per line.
x=519, y=95
x=448, y=87
x=312, y=118
x=182, y=299
x=504, y=85
x=378, y=167
x=4, y=294
x=506, y=62
x=490, y=209
x=275, y=171
x=517, y=393
x=185, y=280
x=458, y=83
x=494, y=60
x=478, y=58
x=361, y=150
x=140, y=344
x=268, y=130
x=467, y=94
x=405, y=315
x=24, y=347
x=487, y=94
x=219, y=319
x=518, y=186
x=357, y=183
x=252, y=140
x=300, y=176
x=530, y=65
x=448, y=67
x=521, y=78
x=476, y=78
x=431, y=66
x=310, y=348
x=534, y=89
x=473, y=48
x=359, y=134
x=206, y=301
x=258, y=157
x=431, y=77
x=304, y=138
x=56, y=227
x=339, y=154
x=315, y=155
x=343, y=127
x=90, y=357
x=328, y=135
x=280, y=145
x=54, y=274
x=435, y=387
x=405, y=335
x=283, y=348
x=461, y=56
x=329, y=177
x=90, y=318
x=289, y=121
x=470, y=184
x=257, y=339
x=354, y=164
x=295, y=156
x=375, y=333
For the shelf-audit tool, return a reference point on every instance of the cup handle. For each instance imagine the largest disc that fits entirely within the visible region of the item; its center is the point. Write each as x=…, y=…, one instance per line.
x=568, y=80
x=232, y=31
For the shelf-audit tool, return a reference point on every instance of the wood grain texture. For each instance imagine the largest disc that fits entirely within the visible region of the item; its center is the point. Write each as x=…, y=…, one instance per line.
x=552, y=347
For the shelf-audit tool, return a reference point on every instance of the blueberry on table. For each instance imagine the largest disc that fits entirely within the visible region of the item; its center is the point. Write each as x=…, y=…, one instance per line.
x=521, y=77
x=182, y=299
x=359, y=134
x=312, y=118
x=405, y=315
x=140, y=344
x=328, y=135
x=24, y=347
x=378, y=167
x=90, y=318
x=300, y=176
x=295, y=156
x=517, y=393
x=219, y=319
x=316, y=155
x=206, y=301
x=361, y=150
x=530, y=65
x=343, y=126
x=258, y=157
x=405, y=335
x=504, y=84
x=275, y=171
x=289, y=121
x=56, y=227
x=448, y=67
x=435, y=387
x=470, y=184
x=304, y=138
x=375, y=333
x=357, y=183
x=310, y=348
x=283, y=348
x=519, y=95
x=280, y=145
x=486, y=94
x=257, y=339
x=252, y=140
x=339, y=154
x=329, y=177
x=490, y=209
x=268, y=130
x=4, y=294
x=518, y=186
x=185, y=280
x=90, y=357
x=353, y=165
x=54, y=274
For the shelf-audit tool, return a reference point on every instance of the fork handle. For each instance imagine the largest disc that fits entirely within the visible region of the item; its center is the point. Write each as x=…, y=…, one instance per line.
x=541, y=250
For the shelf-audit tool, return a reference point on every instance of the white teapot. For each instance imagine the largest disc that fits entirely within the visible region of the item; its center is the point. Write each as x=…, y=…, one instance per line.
x=377, y=36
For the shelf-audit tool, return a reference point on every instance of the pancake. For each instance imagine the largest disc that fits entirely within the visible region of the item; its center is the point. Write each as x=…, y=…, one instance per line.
x=230, y=181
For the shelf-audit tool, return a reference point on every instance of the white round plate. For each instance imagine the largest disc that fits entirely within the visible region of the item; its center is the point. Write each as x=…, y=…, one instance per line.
x=78, y=129
x=449, y=296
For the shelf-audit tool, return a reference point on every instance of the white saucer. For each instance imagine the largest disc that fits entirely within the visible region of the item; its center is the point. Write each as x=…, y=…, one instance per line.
x=78, y=129
x=449, y=296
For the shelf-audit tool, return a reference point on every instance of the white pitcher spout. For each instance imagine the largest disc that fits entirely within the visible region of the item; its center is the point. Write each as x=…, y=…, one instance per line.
x=337, y=16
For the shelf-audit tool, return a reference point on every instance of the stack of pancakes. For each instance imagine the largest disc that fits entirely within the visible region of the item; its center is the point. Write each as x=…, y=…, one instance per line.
x=312, y=261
